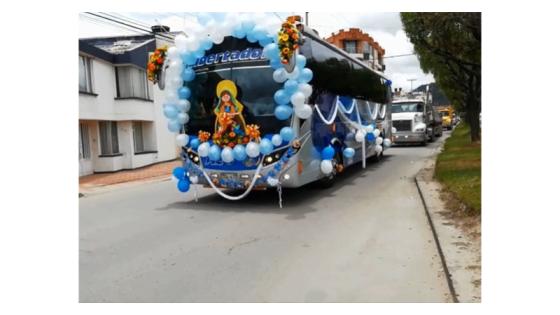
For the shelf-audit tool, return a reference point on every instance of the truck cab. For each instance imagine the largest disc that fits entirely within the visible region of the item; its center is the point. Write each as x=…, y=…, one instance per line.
x=447, y=114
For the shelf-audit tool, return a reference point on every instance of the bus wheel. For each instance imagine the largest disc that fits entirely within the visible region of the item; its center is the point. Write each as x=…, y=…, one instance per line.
x=328, y=181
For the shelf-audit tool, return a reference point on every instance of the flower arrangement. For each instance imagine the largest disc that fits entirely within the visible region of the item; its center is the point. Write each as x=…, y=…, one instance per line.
x=155, y=64
x=203, y=136
x=288, y=39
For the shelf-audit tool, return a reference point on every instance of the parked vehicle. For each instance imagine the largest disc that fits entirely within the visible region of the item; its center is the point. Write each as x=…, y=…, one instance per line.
x=435, y=128
x=447, y=114
x=412, y=116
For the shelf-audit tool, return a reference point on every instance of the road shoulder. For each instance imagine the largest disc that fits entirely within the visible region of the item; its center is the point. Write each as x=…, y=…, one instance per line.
x=460, y=242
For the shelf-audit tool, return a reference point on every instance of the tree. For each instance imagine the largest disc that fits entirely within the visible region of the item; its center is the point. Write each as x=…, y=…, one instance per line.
x=448, y=46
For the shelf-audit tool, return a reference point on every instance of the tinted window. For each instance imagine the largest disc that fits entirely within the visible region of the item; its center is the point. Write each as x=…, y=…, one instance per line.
x=407, y=107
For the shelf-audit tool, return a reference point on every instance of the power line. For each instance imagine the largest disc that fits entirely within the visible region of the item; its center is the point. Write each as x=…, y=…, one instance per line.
x=396, y=56
x=129, y=25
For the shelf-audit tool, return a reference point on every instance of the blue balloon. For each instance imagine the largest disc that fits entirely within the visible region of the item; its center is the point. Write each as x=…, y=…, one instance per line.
x=174, y=126
x=276, y=64
x=283, y=112
x=206, y=43
x=188, y=59
x=290, y=86
x=170, y=111
x=214, y=153
x=248, y=25
x=184, y=93
x=305, y=75
x=179, y=172
x=287, y=134
x=184, y=185
x=199, y=53
x=239, y=32
x=271, y=174
x=266, y=146
x=251, y=37
x=370, y=137
x=281, y=97
x=349, y=153
x=195, y=143
x=388, y=82
x=270, y=51
x=188, y=74
x=301, y=61
x=327, y=153
x=239, y=152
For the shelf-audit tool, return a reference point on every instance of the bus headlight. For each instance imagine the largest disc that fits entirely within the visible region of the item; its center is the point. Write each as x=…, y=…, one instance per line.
x=274, y=156
x=193, y=156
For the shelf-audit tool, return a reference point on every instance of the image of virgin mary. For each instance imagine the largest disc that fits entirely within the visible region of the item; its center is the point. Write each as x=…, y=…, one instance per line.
x=229, y=126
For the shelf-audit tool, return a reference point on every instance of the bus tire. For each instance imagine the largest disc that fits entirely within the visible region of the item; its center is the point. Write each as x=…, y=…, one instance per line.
x=328, y=181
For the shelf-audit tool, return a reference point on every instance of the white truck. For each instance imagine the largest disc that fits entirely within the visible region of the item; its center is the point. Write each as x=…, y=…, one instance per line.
x=411, y=118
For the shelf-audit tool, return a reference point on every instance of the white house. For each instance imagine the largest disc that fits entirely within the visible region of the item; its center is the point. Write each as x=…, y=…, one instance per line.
x=121, y=121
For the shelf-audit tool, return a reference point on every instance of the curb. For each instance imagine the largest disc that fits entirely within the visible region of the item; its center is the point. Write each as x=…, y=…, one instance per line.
x=438, y=245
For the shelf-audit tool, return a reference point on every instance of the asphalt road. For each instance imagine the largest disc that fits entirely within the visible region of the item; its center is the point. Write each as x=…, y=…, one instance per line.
x=366, y=239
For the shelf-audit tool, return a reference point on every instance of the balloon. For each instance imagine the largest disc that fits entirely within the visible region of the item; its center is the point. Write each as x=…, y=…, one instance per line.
x=369, y=129
x=181, y=42
x=194, y=143
x=193, y=179
x=206, y=43
x=171, y=96
x=188, y=74
x=287, y=133
x=239, y=152
x=203, y=149
x=326, y=166
x=217, y=38
x=193, y=43
x=238, y=32
x=184, y=93
x=173, y=53
x=227, y=154
x=360, y=135
x=182, y=140
x=214, y=153
x=283, y=112
x=270, y=50
x=276, y=140
x=199, y=53
x=281, y=98
x=305, y=76
x=304, y=111
x=189, y=59
x=370, y=137
x=183, y=106
x=376, y=132
x=387, y=142
x=379, y=141
x=349, y=153
x=276, y=64
x=170, y=111
x=252, y=149
x=179, y=172
x=294, y=74
x=248, y=25
x=272, y=181
x=265, y=146
x=290, y=86
x=306, y=89
x=378, y=148
x=297, y=99
x=183, y=185
x=174, y=126
x=183, y=118
x=251, y=37
x=280, y=75
x=301, y=61
x=327, y=153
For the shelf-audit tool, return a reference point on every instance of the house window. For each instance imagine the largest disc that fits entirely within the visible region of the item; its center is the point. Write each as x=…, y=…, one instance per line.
x=132, y=82
x=350, y=46
x=85, y=74
x=108, y=137
x=85, y=153
x=138, y=137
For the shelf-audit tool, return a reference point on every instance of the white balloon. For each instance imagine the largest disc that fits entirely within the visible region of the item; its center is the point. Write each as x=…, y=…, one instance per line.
x=276, y=140
x=369, y=128
x=303, y=111
x=252, y=149
x=378, y=140
x=306, y=89
x=182, y=140
x=203, y=149
x=217, y=37
x=181, y=43
x=173, y=53
x=279, y=75
x=193, y=43
x=193, y=179
x=177, y=82
x=294, y=74
x=387, y=142
x=326, y=166
x=360, y=136
x=378, y=148
x=227, y=154
x=376, y=132
x=272, y=181
x=172, y=97
x=183, y=105
x=297, y=99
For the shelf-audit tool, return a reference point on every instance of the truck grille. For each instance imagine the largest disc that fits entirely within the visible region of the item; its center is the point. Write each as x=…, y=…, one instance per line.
x=402, y=125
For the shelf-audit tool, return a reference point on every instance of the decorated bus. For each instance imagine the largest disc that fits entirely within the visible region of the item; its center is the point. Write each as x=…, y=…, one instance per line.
x=269, y=107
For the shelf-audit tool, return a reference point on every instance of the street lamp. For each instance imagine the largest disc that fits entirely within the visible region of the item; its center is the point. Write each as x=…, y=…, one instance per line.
x=411, y=80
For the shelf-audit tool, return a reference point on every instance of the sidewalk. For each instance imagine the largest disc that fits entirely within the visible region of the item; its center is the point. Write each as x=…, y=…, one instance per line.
x=160, y=170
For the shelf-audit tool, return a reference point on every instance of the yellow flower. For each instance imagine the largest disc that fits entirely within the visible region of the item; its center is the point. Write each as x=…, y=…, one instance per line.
x=285, y=50
x=285, y=37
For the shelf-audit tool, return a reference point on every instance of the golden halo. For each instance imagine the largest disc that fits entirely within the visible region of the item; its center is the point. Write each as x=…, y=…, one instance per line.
x=227, y=85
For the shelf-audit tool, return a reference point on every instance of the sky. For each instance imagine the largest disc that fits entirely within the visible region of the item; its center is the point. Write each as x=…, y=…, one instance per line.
x=384, y=27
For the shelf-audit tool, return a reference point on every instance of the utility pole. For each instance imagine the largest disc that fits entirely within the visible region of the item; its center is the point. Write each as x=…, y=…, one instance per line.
x=306, y=18
x=411, y=80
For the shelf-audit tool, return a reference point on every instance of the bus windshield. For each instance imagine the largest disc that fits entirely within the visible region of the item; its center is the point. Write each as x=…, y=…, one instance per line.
x=255, y=90
x=409, y=107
